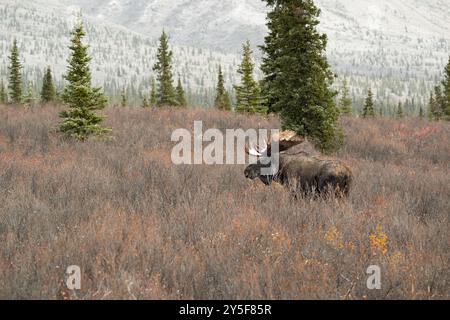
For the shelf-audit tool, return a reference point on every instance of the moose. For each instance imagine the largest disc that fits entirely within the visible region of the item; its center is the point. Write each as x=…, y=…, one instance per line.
x=302, y=172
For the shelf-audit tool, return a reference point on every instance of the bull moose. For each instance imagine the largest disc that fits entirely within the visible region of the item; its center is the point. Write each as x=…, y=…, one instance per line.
x=306, y=173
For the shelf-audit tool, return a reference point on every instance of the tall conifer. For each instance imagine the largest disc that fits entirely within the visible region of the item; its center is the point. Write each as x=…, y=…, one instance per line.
x=29, y=98
x=446, y=91
x=248, y=93
x=48, y=92
x=163, y=67
x=369, y=106
x=81, y=121
x=123, y=97
x=145, y=102
x=345, y=102
x=298, y=78
x=181, y=95
x=400, y=112
x=222, y=101
x=432, y=107
x=421, y=113
x=3, y=93
x=439, y=103
x=15, y=75
x=153, y=94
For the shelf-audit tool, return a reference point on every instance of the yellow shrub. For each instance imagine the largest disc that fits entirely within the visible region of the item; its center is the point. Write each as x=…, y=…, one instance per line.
x=334, y=238
x=379, y=241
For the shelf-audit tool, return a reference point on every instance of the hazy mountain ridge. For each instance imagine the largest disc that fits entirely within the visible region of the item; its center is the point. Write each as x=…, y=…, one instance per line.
x=120, y=56
x=207, y=23
x=203, y=21
x=398, y=47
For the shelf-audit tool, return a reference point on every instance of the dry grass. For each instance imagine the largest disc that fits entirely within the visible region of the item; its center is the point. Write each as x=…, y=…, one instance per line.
x=141, y=228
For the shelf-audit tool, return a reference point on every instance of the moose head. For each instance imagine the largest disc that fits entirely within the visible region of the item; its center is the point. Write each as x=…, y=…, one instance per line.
x=277, y=144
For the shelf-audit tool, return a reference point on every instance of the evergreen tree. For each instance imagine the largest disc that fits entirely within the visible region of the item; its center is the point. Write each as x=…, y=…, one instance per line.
x=345, y=103
x=145, y=102
x=181, y=96
x=298, y=78
x=81, y=121
x=400, y=112
x=369, y=110
x=3, y=94
x=15, y=75
x=163, y=67
x=48, y=92
x=446, y=92
x=248, y=93
x=421, y=113
x=439, y=103
x=225, y=102
x=432, y=108
x=29, y=99
x=124, y=98
x=153, y=94
x=222, y=101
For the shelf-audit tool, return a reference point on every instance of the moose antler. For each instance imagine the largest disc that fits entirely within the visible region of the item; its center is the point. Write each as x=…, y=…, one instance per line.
x=285, y=139
x=288, y=139
x=253, y=151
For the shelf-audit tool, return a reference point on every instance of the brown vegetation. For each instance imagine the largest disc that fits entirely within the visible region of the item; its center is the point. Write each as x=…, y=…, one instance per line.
x=142, y=228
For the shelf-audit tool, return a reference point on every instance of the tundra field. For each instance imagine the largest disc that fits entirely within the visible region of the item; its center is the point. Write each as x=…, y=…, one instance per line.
x=142, y=228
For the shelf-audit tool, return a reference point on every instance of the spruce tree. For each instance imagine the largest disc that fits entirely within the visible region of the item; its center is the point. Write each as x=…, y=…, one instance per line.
x=225, y=102
x=345, y=103
x=48, y=92
x=3, y=93
x=145, y=102
x=432, y=108
x=15, y=75
x=153, y=94
x=181, y=96
x=222, y=101
x=81, y=121
x=400, y=112
x=124, y=98
x=369, y=110
x=29, y=98
x=298, y=78
x=446, y=92
x=163, y=66
x=421, y=113
x=248, y=93
x=439, y=103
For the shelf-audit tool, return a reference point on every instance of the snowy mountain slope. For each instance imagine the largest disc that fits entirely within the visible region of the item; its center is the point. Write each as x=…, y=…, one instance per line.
x=207, y=23
x=227, y=23
x=393, y=18
x=397, y=47
x=120, y=57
